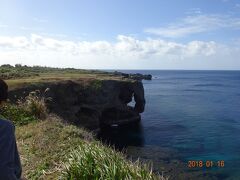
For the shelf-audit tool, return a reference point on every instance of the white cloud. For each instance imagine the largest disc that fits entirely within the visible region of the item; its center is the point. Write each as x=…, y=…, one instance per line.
x=196, y=24
x=14, y=42
x=201, y=48
x=125, y=52
x=158, y=47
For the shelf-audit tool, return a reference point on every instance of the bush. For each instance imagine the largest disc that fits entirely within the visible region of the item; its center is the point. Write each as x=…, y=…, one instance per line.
x=29, y=109
x=17, y=114
x=35, y=104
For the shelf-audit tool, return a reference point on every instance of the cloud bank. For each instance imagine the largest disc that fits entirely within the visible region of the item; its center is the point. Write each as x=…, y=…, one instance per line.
x=124, y=46
x=125, y=52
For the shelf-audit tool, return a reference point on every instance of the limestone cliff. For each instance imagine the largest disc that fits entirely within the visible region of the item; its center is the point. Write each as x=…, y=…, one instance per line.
x=93, y=103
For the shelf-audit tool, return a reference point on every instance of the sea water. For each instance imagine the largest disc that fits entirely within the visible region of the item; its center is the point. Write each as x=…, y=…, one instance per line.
x=196, y=113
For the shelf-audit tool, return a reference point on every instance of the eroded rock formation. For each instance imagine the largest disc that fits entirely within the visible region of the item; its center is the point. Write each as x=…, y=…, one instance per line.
x=92, y=104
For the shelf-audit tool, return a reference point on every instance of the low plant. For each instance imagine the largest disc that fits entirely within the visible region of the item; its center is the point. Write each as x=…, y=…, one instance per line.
x=16, y=114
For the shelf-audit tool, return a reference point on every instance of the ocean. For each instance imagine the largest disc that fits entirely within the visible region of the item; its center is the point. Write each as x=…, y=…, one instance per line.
x=195, y=113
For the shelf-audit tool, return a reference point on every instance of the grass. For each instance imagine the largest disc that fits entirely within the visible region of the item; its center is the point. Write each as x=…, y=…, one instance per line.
x=19, y=76
x=51, y=77
x=43, y=78
x=44, y=146
x=94, y=161
x=27, y=110
x=19, y=71
x=51, y=149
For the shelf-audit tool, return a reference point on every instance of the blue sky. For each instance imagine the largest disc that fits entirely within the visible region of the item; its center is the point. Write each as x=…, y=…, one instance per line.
x=111, y=34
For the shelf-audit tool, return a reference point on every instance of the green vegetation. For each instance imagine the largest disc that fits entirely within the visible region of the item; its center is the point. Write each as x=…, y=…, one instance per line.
x=94, y=161
x=18, y=75
x=51, y=149
x=27, y=110
x=17, y=114
x=96, y=84
x=9, y=72
x=18, y=71
x=44, y=146
x=35, y=104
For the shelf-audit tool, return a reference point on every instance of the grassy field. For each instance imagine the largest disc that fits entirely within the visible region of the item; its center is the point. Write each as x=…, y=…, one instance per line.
x=18, y=75
x=19, y=71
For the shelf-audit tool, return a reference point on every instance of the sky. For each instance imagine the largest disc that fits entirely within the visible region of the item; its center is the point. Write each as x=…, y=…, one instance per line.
x=121, y=34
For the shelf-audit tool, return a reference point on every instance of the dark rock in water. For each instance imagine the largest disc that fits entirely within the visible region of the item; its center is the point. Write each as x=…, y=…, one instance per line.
x=141, y=76
x=92, y=104
x=148, y=77
x=136, y=76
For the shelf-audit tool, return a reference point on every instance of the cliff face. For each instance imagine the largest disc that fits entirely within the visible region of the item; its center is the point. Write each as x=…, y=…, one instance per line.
x=91, y=104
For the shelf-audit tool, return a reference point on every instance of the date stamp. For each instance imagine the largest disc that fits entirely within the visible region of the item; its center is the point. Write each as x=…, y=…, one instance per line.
x=205, y=164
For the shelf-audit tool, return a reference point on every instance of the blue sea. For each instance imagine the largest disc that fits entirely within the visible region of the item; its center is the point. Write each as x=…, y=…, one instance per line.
x=196, y=113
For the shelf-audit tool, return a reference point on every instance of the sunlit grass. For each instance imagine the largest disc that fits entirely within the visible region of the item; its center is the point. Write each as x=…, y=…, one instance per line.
x=45, y=145
x=51, y=149
x=52, y=77
x=95, y=161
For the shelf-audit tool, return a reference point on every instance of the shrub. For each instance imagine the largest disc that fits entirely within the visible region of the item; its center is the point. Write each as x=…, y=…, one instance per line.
x=28, y=109
x=17, y=114
x=35, y=103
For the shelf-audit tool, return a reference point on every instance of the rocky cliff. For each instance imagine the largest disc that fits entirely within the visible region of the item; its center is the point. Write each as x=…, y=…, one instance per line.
x=91, y=103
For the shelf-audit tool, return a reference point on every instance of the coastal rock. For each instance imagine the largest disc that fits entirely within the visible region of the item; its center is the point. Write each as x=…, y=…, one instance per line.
x=141, y=76
x=93, y=103
x=136, y=76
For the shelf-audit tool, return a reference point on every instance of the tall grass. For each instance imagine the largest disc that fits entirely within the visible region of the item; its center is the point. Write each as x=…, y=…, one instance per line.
x=35, y=103
x=95, y=161
x=30, y=108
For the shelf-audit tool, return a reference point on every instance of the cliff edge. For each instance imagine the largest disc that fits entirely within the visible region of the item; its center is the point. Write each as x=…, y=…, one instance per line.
x=93, y=103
